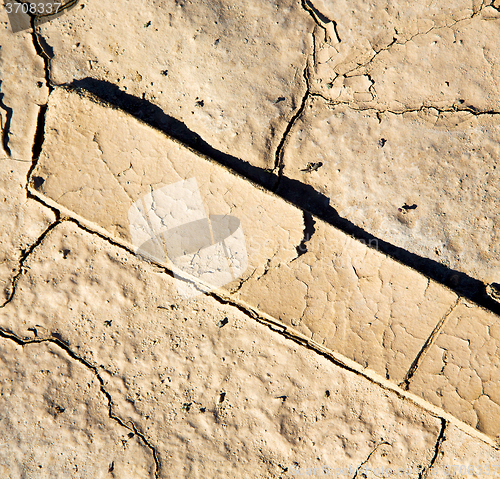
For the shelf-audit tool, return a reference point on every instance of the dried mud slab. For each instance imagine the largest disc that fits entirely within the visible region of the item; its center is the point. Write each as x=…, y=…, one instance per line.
x=55, y=423
x=97, y=161
x=402, y=57
x=231, y=73
x=433, y=65
x=22, y=90
x=99, y=156
x=461, y=371
x=423, y=181
x=353, y=300
x=213, y=391
x=23, y=220
x=354, y=32
x=448, y=68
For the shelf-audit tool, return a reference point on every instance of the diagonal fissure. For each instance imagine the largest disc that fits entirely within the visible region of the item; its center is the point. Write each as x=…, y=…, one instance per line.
x=11, y=289
x=405, y=383
x=437, y=449
x=62, y=345
x=308, y=198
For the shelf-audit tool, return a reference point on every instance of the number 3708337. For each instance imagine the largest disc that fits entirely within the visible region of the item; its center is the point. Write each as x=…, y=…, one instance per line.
x=47, y=8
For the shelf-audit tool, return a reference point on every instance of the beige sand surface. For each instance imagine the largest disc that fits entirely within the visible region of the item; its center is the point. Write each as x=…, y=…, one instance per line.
x=325, y=354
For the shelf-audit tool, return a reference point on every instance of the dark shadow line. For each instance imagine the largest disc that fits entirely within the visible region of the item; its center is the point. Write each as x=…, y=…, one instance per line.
x=6, y=127
x=322, y=18
x=301, y=195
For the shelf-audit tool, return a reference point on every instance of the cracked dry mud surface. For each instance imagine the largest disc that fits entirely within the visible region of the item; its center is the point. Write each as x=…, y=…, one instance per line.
x=463, y=367
x=55, y=420
x=200, y=62
x=340, y=293
x=23, y=221
x=210, y=399
x=413, y=98
x=373, y=119
x=335, y=93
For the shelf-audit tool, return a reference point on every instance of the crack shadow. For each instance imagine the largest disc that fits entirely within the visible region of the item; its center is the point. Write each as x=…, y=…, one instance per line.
x=306, y=197
x=301, y=195
x=154, y=116
x=309, y=230
x=6, y=126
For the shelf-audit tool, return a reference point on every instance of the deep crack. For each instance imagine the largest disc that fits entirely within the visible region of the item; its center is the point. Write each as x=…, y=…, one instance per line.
x=36, y=150
x=322, y=21
x=278, y=158
x=41, y=48
x=44, y=51
x=6, y=126
x=405, y=383
x=39, y=138
x=309, y=230
x=437, y=449
x=24, y=256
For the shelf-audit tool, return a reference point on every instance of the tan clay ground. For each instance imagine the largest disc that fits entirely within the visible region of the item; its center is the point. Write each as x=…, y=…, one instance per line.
x=357, y=143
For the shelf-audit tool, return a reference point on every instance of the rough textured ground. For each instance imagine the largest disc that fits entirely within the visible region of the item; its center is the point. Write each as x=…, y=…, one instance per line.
x=357, y=145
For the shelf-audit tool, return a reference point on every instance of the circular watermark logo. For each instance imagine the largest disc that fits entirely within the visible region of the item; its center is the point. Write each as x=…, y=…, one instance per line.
x=171, y=222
